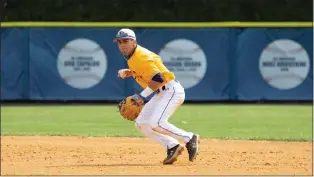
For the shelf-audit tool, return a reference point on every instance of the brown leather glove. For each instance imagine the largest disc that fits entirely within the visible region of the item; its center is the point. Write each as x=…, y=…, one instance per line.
x=131, y=107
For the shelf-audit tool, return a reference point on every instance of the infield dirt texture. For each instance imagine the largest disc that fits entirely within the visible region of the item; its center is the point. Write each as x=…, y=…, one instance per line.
x=79, y=152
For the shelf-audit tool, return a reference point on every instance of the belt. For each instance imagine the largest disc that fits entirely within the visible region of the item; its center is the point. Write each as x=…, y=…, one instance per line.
x=160, y=89
x=163, y=88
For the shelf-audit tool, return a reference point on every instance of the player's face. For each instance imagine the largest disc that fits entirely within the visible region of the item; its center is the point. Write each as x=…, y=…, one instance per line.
x=126, y=46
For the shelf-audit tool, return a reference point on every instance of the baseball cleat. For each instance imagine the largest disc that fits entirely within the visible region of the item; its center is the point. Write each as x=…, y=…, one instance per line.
x=192, y=147
x=173, y=153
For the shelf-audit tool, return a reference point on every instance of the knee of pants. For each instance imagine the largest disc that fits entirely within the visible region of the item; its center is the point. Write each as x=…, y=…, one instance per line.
x=141, y=125
x=151, y=124
x=156, y=124
x=144, y=128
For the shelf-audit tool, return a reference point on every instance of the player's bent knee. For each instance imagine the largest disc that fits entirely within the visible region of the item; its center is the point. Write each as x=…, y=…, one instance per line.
x=153, y=124
x=160, y=123
x=144, y=128
x=159, y=127
x=161, y=130
x=141, y=125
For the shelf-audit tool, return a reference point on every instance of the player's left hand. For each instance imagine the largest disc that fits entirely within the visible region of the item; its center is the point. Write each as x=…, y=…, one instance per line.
x=138, y=99
x=129, y=108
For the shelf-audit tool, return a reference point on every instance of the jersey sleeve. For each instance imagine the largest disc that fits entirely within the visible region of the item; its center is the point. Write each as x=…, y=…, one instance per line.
x=150, y=69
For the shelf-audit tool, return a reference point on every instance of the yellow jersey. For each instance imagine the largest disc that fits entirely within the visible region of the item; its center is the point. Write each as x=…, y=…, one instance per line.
x=144, y=64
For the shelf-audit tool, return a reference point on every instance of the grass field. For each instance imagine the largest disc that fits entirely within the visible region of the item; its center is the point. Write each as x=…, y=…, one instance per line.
x=256, y=122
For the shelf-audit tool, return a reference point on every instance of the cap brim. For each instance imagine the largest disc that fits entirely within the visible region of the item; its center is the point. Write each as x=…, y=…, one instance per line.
x=117, y=38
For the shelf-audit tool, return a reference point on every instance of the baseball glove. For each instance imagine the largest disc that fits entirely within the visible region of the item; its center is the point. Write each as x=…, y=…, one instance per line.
x=129, y=108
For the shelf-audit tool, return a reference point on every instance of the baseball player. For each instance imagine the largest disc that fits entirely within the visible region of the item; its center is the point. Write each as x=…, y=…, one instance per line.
x=150, y=73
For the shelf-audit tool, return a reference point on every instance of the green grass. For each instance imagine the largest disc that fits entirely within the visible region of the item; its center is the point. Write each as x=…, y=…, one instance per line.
x=258, y=122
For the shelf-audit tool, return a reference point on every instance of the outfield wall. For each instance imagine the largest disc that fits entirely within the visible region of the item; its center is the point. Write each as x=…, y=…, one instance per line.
x=244, y=64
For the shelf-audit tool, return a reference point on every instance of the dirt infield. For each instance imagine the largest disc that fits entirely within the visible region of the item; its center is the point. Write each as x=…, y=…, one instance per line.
x=140, y=156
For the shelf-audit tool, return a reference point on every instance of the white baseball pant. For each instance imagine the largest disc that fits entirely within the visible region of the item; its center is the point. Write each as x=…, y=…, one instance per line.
x=153, y=119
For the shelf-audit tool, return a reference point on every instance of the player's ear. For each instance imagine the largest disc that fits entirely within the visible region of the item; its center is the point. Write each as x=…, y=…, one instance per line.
x=134, y=43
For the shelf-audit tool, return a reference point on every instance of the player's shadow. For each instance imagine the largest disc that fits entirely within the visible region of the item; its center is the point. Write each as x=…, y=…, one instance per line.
x=114, y=165
x=107, y=165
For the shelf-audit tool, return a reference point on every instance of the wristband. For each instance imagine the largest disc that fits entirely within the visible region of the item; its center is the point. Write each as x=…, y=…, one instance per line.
x=145, y=93
x=138, y=97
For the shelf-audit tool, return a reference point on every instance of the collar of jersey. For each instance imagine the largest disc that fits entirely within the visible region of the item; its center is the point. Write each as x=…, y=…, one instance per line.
x=128, y=57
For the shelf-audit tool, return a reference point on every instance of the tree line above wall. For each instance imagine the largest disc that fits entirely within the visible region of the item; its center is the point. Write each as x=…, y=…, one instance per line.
x=158, y=10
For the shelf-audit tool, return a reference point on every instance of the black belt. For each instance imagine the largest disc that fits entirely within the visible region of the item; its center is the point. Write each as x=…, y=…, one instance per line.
x=163, y=88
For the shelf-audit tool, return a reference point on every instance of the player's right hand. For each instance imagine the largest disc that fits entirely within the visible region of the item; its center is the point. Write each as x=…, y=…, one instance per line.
x=124, y=73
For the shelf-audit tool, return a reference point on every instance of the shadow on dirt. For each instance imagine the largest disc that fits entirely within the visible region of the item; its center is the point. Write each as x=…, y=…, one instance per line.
x=107, y=165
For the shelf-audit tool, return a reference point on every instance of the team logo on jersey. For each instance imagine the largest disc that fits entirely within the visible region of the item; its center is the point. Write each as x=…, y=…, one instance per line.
x=82, y=63
x=284, y=64
x=186, y=60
